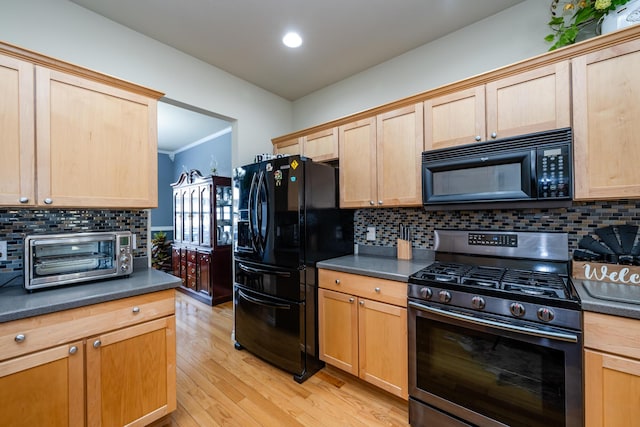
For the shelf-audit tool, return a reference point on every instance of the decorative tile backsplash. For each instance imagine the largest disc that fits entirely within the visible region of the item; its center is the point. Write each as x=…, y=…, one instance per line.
x=579, y=220
x=15, y=224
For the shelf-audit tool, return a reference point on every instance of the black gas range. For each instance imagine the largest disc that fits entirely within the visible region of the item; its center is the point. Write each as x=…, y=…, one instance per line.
x=519, y=275
x=495, y=332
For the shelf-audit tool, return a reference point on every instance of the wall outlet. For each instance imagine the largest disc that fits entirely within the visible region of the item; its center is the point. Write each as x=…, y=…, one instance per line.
x=3, y=250
x=371, y=233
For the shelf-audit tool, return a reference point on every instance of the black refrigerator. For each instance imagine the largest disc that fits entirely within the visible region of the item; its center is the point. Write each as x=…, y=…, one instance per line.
x=288, y=218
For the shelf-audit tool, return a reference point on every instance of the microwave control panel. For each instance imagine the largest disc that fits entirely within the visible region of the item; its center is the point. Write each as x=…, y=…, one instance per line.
x=554, y=172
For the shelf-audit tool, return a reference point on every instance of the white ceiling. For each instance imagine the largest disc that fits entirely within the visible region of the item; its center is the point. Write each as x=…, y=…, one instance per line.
x=243, y=37
x=180, y=127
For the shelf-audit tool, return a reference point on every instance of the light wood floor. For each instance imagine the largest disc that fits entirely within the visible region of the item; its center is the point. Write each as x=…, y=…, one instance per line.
x=221, y=386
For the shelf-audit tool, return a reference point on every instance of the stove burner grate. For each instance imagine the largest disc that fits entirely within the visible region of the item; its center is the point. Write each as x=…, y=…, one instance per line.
x=486, y=277
x=534, y=283
x=444, y=272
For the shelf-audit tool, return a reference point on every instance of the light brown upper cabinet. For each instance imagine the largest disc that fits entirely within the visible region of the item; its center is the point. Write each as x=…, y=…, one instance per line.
x=380, y=159
x=529, y=101
x=291, y=147
x=17, y=163
x=606, y=107
x=321, y=146
x=358, y=176
x=455, y=119
x=76, y=138
x=97, y=144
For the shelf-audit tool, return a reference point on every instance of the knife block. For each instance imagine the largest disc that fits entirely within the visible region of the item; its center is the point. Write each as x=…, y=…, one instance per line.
x=404, y=249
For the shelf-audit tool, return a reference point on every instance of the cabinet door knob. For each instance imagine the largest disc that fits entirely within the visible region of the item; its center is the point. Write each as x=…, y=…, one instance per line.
x=371, y=202
x=97, y=344
x=362, y=302
x=24, y=199
x=48, y=201
x=337, y=281
x=494, y=135
x=478, y=137
x=136, y=310
x=73, y=349
x=377, y=290
x=379, y=202
x=20, y=338
x=352, y=300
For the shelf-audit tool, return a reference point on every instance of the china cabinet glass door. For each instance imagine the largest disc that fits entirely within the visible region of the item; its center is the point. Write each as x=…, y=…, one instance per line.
x=205, y=210
x=224, y=232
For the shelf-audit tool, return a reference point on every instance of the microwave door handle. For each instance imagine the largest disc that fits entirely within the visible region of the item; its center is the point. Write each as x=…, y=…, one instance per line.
x=557, y=336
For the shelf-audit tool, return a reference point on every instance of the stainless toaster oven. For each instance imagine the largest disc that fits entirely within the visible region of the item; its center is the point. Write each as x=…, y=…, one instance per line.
x=61, y=259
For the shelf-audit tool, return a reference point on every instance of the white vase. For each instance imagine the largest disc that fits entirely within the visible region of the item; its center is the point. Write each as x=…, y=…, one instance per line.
x=621, y=17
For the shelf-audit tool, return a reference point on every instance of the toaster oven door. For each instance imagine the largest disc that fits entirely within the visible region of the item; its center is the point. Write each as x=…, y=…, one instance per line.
x=62, y=259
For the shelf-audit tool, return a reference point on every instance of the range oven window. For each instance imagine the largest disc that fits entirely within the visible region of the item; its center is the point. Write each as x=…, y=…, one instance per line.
x=515, y=382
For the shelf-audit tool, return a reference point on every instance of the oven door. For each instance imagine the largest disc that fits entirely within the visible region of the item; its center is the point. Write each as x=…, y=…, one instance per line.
x=491, y=372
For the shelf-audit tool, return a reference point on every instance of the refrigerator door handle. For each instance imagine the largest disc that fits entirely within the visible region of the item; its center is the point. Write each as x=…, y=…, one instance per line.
x=263, y=271
x=264, y=303
x=262, y=217
x=250, y=211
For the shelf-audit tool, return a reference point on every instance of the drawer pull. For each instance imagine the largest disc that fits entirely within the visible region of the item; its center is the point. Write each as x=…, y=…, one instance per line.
x=97, y=344
x=136, y=310
x=73, y=349
x=337, y=281
x=20, y=338
x=351, y=300
x=377, y=290
x=362, y=302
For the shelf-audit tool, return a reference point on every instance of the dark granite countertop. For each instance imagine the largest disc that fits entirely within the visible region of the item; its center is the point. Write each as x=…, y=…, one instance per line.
x=379, y=262
x=609, y=298
x=16, y=303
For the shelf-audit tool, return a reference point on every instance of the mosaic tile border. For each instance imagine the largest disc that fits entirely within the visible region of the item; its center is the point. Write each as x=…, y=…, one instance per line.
x=15, y=224
x=579, y=220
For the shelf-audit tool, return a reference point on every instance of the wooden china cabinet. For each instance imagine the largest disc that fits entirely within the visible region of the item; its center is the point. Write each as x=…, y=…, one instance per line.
x=202, y=229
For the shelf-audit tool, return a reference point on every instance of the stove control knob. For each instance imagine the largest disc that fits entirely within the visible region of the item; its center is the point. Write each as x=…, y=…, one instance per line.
x=445, y=296
x=517, y=309
x=426, y=293
x=478, y=302
x=545, y=314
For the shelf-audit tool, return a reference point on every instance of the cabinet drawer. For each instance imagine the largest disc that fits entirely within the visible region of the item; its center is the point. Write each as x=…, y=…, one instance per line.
x=191, y=269
x=389, y=291
x=70, y=325
x=612, y=334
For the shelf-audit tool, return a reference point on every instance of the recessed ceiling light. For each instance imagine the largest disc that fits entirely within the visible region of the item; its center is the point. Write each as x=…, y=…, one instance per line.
x=292, y=40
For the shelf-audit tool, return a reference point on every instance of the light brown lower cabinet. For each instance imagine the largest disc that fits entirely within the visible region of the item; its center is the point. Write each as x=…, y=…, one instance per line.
x=109, y=364
x=363, y=328
x=612, y=371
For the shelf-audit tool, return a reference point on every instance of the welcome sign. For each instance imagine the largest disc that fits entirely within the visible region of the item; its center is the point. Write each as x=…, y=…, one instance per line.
x=614, y=273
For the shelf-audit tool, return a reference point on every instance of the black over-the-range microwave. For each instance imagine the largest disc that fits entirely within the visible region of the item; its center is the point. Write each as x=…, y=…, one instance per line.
x=533, y=170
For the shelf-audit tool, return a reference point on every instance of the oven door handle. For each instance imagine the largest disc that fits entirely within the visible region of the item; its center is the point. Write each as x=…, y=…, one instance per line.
x=264, y=303
x=560, y=336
